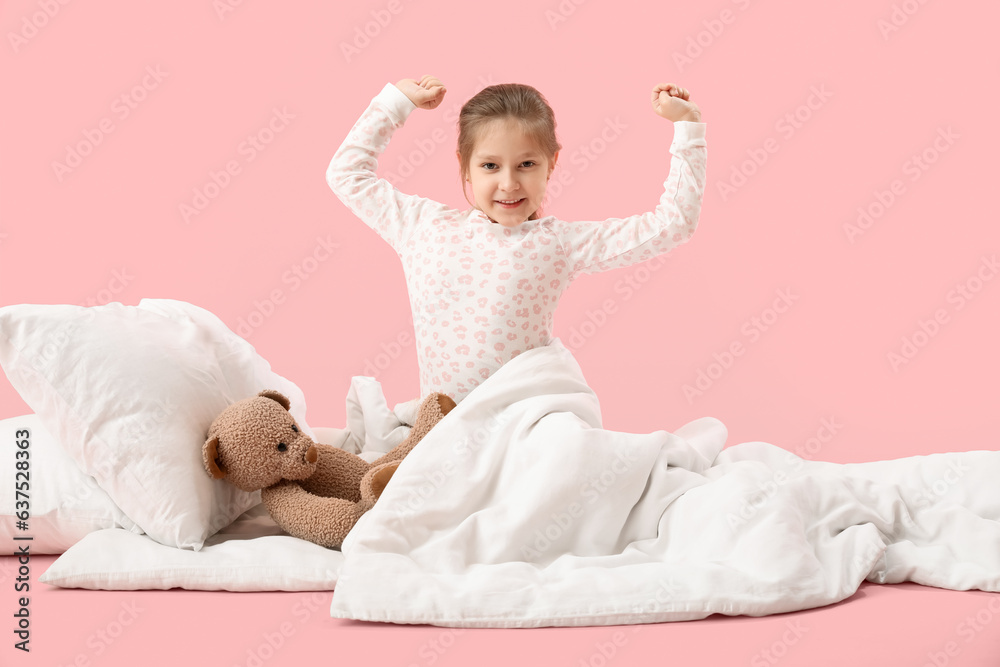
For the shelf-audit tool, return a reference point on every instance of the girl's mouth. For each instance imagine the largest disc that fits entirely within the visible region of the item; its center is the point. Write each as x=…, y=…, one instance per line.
x=515, y=203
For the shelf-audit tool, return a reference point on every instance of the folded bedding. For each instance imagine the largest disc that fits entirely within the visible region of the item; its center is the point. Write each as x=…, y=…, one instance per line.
x=128, y=392
x=65, y=505
x=519, y=509
x=251, y=554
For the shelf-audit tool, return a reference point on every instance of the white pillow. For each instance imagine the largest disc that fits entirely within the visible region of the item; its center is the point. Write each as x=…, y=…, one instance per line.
x=129, y=392
x=64, y=503
x=252, y=554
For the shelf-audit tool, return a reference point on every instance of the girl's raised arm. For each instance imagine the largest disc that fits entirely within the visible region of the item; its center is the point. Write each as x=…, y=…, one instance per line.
x=351, y=174
x=600, y=245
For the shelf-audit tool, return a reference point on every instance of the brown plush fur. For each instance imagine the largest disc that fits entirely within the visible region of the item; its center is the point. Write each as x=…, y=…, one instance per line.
x=313, y=491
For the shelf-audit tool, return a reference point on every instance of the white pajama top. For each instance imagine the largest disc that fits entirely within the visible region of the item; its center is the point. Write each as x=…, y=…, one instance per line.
x=481, y=293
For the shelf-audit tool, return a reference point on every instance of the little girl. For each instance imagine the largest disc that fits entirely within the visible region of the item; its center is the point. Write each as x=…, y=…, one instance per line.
x=484, y=282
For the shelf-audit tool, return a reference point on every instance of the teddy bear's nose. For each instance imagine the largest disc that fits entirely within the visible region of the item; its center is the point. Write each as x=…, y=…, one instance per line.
x=312, y=454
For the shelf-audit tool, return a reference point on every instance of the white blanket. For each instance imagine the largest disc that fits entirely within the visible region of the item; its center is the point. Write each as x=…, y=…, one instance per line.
x=520, y=510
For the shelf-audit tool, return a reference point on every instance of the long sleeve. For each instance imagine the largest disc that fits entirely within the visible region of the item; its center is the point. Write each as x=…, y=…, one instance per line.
x=351, y=174
x=595, y=246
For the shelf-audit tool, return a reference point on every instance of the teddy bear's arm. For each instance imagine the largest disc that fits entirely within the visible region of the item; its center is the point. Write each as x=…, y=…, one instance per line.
x=432, y=410
x=324, y=521
x=338, y=474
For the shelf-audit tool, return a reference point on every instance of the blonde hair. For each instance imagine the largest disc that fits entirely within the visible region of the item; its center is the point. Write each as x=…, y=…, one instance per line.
x=515, y=101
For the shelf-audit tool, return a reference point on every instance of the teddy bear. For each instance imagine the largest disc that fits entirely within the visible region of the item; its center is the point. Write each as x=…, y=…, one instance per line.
x=312, y=490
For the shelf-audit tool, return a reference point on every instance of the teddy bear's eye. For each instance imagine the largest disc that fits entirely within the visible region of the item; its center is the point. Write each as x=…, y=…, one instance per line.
x=295, y=428
x=282, y=447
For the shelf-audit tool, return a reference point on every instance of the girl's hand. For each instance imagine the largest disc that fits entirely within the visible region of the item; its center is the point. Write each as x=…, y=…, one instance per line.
x=427, y=93
x=672, y=102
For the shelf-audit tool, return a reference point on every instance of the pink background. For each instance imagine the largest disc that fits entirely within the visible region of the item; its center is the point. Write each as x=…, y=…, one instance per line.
x=111, y=230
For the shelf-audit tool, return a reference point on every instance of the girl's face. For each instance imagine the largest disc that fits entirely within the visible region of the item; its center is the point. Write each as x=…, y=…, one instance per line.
x=506, y=166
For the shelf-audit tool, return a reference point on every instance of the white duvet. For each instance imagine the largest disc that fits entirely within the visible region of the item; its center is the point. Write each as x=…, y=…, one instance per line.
x=520, y=510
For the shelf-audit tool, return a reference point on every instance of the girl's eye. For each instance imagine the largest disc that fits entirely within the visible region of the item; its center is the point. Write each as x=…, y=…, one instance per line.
x=488, y=164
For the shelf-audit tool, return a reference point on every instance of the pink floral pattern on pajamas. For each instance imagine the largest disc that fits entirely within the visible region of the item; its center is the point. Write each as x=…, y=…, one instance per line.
x=482, y=293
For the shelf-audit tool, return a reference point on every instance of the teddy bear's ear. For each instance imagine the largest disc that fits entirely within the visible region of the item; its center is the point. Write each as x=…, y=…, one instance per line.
x=210, y=452
x=276, y=396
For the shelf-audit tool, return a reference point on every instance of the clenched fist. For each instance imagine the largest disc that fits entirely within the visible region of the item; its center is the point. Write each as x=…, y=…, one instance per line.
x=427, y=93
x=673, y=103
